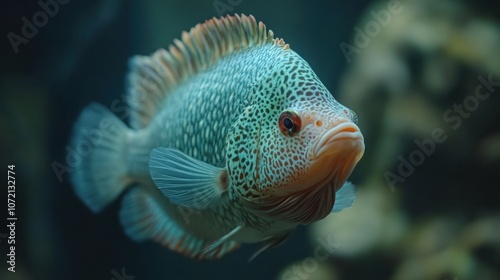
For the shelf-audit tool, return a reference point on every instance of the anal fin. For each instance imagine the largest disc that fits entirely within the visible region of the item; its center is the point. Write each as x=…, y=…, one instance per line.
x=143, y=218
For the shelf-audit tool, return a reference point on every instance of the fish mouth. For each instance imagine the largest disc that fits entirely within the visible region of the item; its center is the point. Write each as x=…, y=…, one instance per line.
x=344, y=136
x=335, y=154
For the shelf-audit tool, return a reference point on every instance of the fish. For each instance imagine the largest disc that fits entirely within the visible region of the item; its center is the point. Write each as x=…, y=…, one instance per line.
x=231, y=138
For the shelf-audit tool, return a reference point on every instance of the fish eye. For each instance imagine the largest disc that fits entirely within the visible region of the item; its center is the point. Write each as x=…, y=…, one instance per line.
x=289, y=123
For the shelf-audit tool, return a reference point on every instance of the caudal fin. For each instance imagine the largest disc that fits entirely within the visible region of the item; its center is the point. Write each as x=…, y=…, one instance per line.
x=100, y=139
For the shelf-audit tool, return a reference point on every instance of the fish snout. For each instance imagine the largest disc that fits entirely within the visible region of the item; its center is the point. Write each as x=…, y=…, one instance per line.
x=344, y=138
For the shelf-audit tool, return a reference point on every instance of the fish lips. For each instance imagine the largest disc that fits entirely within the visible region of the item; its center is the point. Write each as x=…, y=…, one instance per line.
x=344, y=137
x=335, y=154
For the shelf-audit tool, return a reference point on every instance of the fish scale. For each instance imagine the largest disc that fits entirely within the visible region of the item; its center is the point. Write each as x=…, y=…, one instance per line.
x=226, y=144
x=206, y=117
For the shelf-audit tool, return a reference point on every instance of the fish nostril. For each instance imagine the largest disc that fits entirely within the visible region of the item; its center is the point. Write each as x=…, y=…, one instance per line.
x=319, y=123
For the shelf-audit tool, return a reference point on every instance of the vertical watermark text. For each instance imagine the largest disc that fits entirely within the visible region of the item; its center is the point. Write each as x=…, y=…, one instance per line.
x=11, y=218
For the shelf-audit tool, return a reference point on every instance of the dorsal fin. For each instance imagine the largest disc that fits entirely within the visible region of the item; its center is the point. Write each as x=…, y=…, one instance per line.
x=153, y=77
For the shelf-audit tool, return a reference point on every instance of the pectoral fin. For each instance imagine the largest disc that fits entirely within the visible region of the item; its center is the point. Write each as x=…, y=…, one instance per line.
x=344, y=198
x=186, y=181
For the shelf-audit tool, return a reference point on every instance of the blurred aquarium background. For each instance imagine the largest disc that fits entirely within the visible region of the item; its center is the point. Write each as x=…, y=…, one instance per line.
x=423, y=77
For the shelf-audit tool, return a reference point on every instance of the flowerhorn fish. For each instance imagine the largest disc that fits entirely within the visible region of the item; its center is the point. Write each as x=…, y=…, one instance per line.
x=232, y=139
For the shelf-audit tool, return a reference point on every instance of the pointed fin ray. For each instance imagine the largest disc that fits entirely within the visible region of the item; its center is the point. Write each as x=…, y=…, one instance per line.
x=344, y=198
x=208, y=250
x=186, y=181
x=153, y=78
x=271, y=243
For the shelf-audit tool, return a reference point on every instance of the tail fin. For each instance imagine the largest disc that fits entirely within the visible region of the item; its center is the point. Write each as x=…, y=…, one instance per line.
x=100, y=138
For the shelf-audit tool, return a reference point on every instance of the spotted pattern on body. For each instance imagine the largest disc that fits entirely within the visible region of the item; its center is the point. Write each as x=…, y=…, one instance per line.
x=261, y=159
x=229, y=127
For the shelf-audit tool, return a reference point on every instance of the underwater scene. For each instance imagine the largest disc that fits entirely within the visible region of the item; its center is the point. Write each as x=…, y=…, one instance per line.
x=238, y=139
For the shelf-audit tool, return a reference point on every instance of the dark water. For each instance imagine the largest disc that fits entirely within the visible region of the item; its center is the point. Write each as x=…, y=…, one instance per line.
x=79, y=55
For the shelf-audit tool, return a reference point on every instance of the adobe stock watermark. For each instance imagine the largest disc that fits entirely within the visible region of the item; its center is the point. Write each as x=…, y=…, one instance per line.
x=223, y=7
x=30, y=28
x=454, y=117
x=121, y=276
x=303, y=270
x=363, y=37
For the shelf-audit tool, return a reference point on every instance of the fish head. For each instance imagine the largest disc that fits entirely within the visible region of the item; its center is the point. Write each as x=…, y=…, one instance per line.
x=313, y=143
x=302, y=139
x=322, y=144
